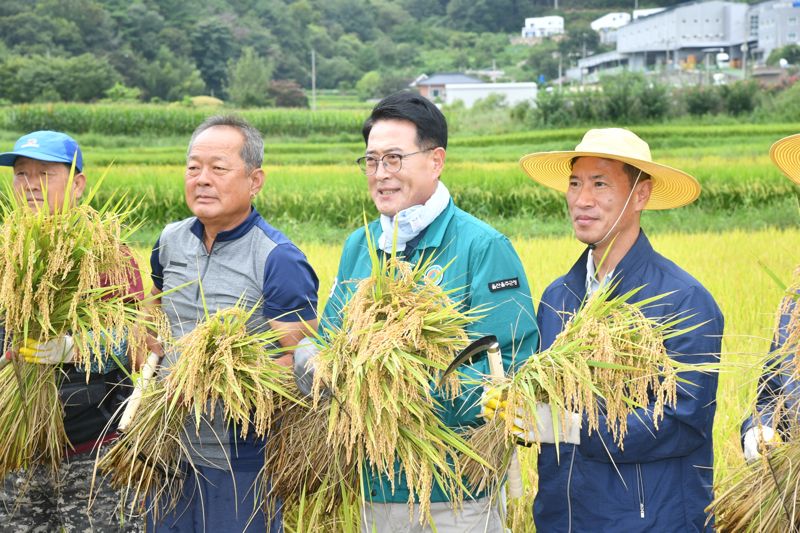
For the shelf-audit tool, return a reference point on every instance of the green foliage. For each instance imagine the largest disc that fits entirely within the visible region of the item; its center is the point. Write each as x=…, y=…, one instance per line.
x=170, y=77
x=376, y=84
x=702, y=100
x=740, y=97
x=121, y=93
x=493, y=102
x=543, y=60
x=784, y=106
x=369, y=85
x=48, y=78
x=213, y=46
x=625, y=98
x=790, y=52
x=249, y=79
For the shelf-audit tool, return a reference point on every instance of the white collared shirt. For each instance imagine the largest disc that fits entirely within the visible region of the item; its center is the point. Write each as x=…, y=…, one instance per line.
x=592, y=283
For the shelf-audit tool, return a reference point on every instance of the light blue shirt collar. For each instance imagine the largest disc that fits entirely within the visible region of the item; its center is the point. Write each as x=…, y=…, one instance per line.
x=592, y=283
x=411, y=221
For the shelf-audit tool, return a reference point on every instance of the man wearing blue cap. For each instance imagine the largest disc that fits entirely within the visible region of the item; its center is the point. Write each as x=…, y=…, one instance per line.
x=35, y=500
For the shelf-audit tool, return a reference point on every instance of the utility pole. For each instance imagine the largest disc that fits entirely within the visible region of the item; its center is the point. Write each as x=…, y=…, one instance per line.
x=560, y=76
x=313, y=80
x=744, y=49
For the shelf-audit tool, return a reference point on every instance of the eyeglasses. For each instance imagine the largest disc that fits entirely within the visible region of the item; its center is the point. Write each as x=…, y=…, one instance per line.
x=391, y=162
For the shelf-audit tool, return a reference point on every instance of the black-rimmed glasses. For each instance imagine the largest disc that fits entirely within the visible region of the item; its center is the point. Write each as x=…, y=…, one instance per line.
x=391, y=162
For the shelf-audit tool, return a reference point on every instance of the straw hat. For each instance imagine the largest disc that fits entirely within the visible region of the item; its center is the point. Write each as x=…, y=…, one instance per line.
x=671, y=187
x=785, y=153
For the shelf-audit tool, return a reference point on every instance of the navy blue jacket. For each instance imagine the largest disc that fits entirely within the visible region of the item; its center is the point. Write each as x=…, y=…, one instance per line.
x=777, y=383
x=662, y=481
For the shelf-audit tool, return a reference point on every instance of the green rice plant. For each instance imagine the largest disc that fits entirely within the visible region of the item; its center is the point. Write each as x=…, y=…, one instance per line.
x=137, y=119
x=63, y=272
x=220, y=362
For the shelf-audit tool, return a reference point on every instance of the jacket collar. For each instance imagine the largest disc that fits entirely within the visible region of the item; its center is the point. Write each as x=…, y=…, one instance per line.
x=229, y=235
x=575, y=279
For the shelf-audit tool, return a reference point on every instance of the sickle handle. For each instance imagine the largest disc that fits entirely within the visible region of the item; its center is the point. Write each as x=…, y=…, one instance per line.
x=148, y=371
x=514, y=472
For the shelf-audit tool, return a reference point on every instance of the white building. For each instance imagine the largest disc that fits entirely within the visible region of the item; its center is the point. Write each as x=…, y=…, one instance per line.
x=638, y=13
x=611, y=21
x=772, y=25
x=543, y=26
x=685, y=33
x=608, y=24
x=469, y=93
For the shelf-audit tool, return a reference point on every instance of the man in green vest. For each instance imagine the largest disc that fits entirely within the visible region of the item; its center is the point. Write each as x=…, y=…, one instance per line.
x=406, y=140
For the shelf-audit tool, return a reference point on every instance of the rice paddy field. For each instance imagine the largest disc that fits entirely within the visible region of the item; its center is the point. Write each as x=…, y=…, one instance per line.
x=746, y=223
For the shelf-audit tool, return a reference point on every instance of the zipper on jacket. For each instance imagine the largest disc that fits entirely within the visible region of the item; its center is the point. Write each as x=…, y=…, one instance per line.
x=640, y=489
x=569, y=492
x=203, y=271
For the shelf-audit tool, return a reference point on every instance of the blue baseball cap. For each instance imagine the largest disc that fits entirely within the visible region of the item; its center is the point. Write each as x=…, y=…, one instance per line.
x=51, y=146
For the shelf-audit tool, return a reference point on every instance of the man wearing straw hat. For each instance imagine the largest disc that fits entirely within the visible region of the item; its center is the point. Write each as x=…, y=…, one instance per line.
x=662, y=480
x=406, y=142
x=777, y=406
x=33, y=500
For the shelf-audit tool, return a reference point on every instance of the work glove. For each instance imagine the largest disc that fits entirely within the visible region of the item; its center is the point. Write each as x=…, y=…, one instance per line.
x=492, y=404
x=757, y=439
x=53, y=352
x=304, y=365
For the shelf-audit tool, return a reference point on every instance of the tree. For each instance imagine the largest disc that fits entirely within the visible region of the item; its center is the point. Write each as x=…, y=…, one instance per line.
x=248, y=80
x=140, y=27
x=740, y=97
x=170, y=77
x=47, y=78
x=790, y=52
x=287, y=93
x=212, y=47
x=369, y=85
x=485, y=15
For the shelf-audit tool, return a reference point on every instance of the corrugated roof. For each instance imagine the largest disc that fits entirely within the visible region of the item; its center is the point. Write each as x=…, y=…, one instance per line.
x=448, y=77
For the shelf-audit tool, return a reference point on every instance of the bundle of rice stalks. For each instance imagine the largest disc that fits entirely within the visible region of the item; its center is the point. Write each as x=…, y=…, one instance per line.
x=373, y=382
x=64, y=272
x=220, y=362
x=608, y=360
x=32, y=418
x=763, y=495
x=298, y=462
